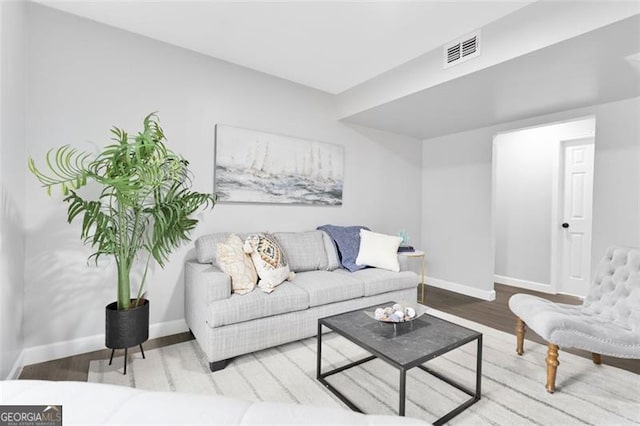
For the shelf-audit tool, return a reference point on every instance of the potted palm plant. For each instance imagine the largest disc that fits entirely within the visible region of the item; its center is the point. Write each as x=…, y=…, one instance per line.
x=144, y=209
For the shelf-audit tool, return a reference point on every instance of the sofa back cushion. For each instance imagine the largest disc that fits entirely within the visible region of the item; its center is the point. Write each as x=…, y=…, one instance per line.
x=305, y=250
x=207, y=245
x=347, y=241
x=332, y=252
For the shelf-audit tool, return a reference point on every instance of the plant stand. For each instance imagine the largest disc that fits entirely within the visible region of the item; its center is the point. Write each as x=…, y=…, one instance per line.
x=125, y=357
x=126, y=329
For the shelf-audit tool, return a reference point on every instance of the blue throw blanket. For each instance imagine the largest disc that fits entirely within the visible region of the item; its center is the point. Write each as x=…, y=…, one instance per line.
x=347, y=241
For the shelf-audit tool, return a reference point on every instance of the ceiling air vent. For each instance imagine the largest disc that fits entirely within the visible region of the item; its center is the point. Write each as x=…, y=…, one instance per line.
x=462, y=50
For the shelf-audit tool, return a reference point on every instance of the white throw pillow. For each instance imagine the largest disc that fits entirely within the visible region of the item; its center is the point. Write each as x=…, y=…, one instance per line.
x=236, y=263
x=269, y=260
x=379, y=250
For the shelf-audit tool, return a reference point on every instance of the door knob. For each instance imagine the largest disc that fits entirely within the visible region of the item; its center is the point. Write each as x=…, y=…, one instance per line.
x=565, y=225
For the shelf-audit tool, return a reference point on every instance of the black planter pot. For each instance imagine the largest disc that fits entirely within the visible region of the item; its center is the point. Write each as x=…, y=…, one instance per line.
x=125, y=329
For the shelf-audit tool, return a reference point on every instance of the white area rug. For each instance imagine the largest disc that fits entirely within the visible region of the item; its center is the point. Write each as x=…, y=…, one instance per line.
x=513, y=390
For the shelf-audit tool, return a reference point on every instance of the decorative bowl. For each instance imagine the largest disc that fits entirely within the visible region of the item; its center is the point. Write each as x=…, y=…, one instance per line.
x=398, y=312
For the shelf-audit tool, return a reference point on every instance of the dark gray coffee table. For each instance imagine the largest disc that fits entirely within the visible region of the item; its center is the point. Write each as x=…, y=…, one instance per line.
x=404, y=346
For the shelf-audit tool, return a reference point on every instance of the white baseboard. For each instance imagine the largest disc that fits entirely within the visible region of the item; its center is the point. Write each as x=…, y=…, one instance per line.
x=17, y=367
x=529, y=285
x=462, y=289
x=48, y=352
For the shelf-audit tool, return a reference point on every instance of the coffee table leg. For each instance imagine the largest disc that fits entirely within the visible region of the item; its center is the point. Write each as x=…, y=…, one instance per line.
x=319, y=351
x=403, y=388
x=478, y=369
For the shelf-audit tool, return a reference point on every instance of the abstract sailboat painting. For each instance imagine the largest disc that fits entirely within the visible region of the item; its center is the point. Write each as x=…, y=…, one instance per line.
x=258, y=167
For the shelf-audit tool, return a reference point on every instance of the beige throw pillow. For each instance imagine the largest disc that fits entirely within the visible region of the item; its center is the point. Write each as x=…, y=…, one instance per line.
x=269, y=260
x=233, y=261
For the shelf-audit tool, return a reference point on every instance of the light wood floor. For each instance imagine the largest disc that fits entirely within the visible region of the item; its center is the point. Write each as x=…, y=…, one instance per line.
x=494, y=314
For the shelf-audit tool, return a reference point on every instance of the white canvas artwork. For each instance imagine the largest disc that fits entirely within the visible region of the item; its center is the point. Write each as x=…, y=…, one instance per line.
x=257, y=167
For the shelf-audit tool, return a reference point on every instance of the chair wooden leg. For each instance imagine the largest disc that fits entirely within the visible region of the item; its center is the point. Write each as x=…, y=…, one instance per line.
x=552, y=366
x=520, y=329
x=596, y=358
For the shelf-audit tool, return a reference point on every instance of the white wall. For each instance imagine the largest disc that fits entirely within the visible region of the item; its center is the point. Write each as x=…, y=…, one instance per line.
x=525, y=174
x=456, y=212
x=456, y=194
x=616, y=185
x=12, y=186
x=524, y=179
x=85, y=77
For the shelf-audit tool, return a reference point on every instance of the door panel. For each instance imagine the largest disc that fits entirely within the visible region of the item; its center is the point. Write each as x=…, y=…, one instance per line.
x=576, y=242
x=577, y=199
x=577, y=207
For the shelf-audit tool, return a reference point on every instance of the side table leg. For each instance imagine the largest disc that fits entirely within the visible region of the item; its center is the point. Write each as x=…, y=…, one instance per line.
x=422, y=283
x=403, y=388
x=125, y=361
x=111, y=357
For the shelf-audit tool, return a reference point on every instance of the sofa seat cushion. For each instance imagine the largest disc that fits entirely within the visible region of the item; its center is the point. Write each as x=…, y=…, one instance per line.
x=378, y=281
x=287, y=297
x=327, y=287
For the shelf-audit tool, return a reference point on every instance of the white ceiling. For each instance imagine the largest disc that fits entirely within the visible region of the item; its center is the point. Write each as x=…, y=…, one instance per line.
x=598, y=67
x=328, y=45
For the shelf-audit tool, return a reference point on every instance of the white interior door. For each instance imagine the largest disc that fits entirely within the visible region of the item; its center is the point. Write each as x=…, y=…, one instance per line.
x=575, y=220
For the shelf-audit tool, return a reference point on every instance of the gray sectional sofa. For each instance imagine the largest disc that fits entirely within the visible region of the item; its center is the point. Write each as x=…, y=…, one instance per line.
x=227, y=325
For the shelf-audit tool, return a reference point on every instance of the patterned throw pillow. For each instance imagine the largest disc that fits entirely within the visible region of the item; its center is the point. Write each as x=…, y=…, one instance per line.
x=233, y=261
x=269, y=260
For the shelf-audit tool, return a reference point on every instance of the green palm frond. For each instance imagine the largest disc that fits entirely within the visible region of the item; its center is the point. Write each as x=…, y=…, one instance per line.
x=98, y=227
x=145, y=204
x=69, y=168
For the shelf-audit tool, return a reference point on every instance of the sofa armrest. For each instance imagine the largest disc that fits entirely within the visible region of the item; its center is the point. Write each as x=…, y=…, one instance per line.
x=207, y=282
x=203, y=284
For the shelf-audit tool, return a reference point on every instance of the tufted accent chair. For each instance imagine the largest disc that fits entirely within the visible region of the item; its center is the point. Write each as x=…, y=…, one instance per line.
x=607, y=322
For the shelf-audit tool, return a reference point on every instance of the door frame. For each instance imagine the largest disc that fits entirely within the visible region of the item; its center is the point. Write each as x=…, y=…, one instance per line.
x=555, y=203
x=557, y=211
